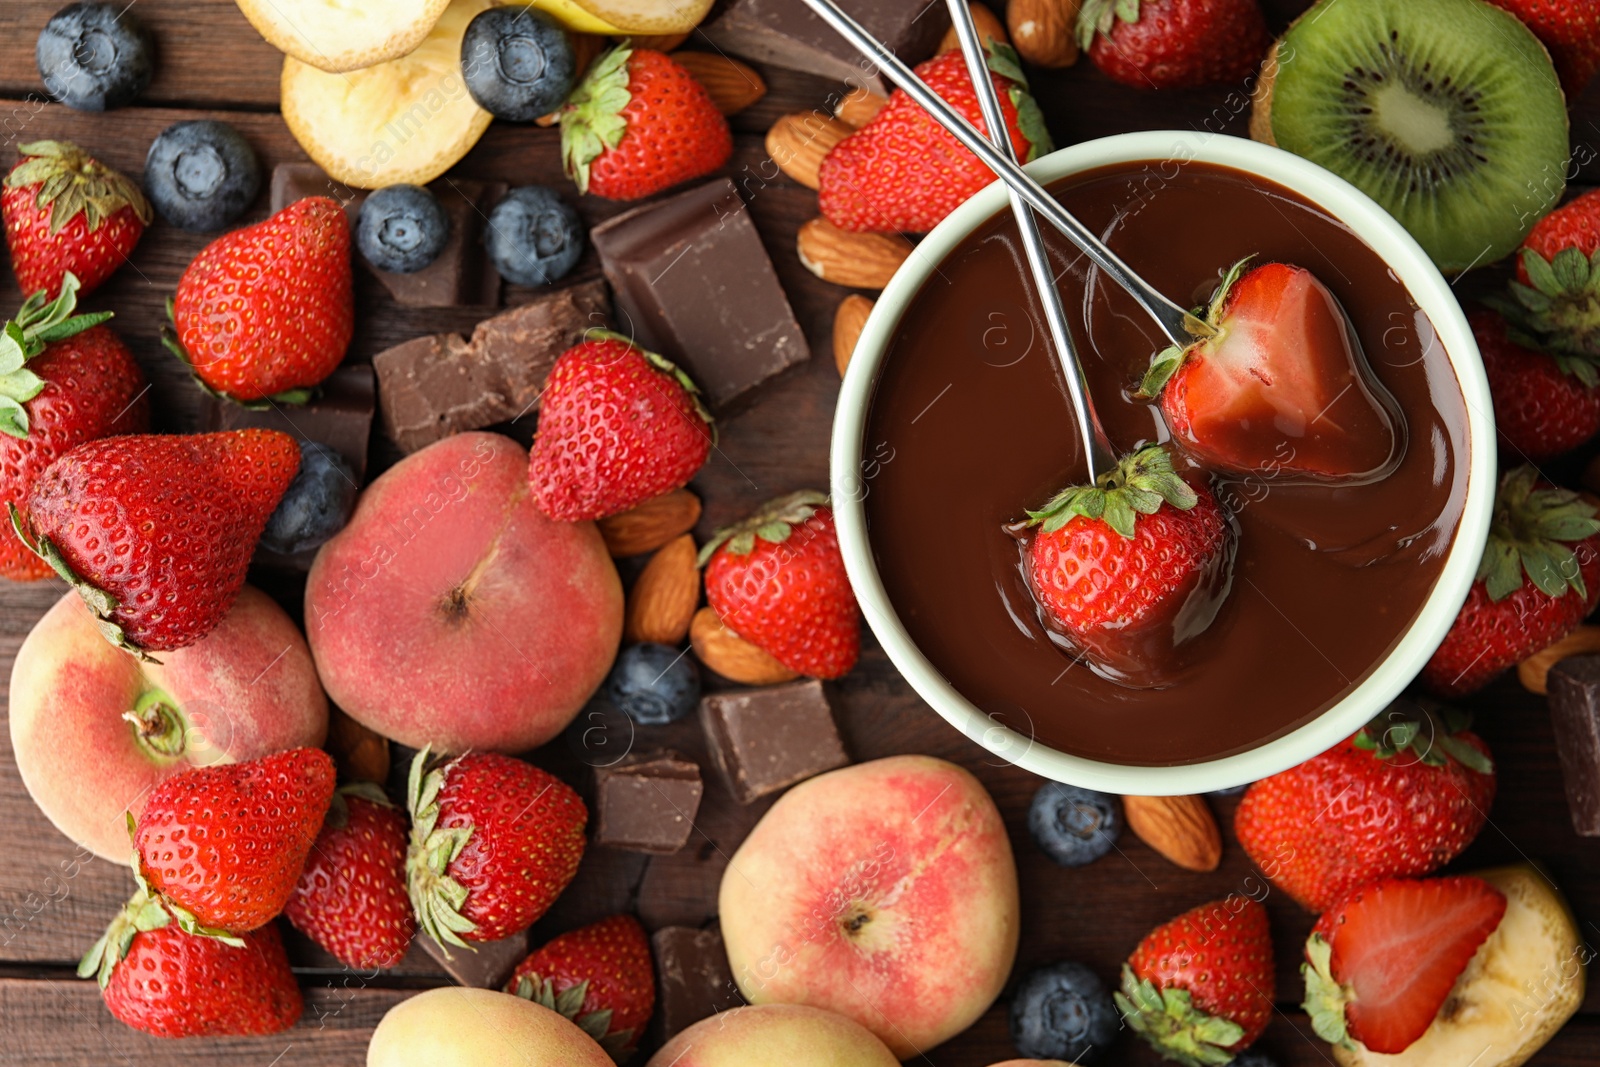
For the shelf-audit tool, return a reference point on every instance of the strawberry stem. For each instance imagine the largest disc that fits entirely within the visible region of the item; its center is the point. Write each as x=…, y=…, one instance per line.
x=773, y=522
x=436, y=897
x=1168, y=1019
x=592, y=122
x=1139, y=484
x=1531, y=534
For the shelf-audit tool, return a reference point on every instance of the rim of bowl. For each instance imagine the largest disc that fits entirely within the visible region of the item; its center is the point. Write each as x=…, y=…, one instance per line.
x=1397, y=248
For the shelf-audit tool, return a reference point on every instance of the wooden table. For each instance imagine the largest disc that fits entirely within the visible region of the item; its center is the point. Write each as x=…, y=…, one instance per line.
x=54, y=900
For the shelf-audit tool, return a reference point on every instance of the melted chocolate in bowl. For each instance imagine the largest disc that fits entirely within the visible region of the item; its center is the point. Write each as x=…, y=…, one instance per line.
x=970, y=424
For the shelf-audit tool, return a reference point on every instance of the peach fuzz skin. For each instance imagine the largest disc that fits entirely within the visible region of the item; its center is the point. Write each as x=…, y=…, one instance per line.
x=244, y=690
x=451, y=612
x=463, y=1027
x=885, y=892
x=775, y=1035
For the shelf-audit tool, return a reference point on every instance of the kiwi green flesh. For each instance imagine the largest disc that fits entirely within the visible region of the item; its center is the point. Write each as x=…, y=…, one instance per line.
x=1446, y=112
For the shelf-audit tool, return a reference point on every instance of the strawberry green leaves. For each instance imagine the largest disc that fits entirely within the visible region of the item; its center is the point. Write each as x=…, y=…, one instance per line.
x=436, y=897
x=1170, y=1021
x=1139, y=485
x=38, y=323
x=592, y=121
x=1531, y=534
x=1560, y=310
x=71, y=183
x=773, y=523
x=1424, y=732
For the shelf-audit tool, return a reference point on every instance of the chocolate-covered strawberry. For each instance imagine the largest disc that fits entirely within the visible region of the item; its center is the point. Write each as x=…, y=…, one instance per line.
x=599, y=976
x=1539, y=578
x=64, y=379
x=155, y=531
x=494, y=841
x=1113, y=565
x=1281, y=389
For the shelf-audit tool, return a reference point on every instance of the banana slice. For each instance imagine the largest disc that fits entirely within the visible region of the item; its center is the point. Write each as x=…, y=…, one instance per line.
x=339, y=35
x=1525, y=982
x=627, y=16
x=407, y=120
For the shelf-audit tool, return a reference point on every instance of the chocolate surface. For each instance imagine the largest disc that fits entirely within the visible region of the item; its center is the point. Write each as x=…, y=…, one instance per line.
x=786, y=33
x=970, y=425
x=487, y=965
x=767, y=739
x=647, y=802
x=1574, y=686
x=693, y=980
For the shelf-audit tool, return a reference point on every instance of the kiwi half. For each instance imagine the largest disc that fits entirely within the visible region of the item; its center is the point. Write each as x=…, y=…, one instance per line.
x=1446, y=112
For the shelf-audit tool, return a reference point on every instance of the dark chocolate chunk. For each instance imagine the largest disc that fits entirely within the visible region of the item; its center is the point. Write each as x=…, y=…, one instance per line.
x=693, y=282
x=432, y=387
x=1574, y=688
x=693, y=979
x=487, y=965
x=462, y=275
x=786, y=33
x=340, y=416
x=647, y=802
x=764, y=740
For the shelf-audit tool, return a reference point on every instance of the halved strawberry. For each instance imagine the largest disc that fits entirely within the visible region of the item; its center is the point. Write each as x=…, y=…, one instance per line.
x=1382, y=963
x=1282, y=389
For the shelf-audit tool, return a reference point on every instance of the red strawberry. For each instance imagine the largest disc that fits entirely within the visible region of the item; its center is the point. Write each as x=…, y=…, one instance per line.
x=266, y=312
x=1570, y=29
x=1200, y=987
x=68, y=212
x=1382, y=963
x=1113, y=565
x=158, y=979
x=1400, y=798
x=617, y=426
x=904, y=171
x=778, y=581
x=599, y=976
x=64, y=380
x=1547, y=535
x=639, y=123
x=224, y=845
x=1556, y=297
x=351, y=898
x=1281, y=389
x=1171, y=44
x=1544, y=404
x=494, y=841
x=156, y=531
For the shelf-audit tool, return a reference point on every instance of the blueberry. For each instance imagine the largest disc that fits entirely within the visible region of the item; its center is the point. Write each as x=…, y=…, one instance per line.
x=1252, y=1059
x=316, y=505
x=1063, y=1012
x=517, y=62
x=654, y=684
x=95, y=56
x=1073, y=826
x=534, y=237
x=201, y=175
x=402, y=229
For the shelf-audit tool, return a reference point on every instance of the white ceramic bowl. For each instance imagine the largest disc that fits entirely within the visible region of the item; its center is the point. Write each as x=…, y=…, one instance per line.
x=1427, y=287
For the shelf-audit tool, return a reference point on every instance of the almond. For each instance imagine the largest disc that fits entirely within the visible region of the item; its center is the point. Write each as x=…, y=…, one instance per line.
x=663, y=42
x=857, y=260
x=733, y=85
x=361, y=752
x=1180, y=828
x=651, y=524
x=989, y=29
x=798, y=142
x=1044, y=31
x=859, y=107
x=1533, y=671
x=731, y=655
x=664, y=596
x=847, y=324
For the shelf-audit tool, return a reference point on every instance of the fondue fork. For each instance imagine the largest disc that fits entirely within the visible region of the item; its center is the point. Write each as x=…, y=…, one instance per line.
x=1098, y=454
x=1181, y=326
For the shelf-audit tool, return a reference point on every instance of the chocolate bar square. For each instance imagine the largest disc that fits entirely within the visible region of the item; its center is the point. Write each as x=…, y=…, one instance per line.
x=693, y=282
x=435, y=386
x=487, y=965
x=647, y=802
x=462, y=275
x=764, y=740
x=693, y=979
x=786, y=33
x=340, y=416
x=1574, y=689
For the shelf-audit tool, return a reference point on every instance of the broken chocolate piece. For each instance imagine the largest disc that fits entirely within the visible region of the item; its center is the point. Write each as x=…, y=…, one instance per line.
x=764, y=740
x=693, y=980
x=1574, y=687
x=693, y=282
x=340, y=415
x=647, y=802
x=487, y=965
x=462, y=275
x=786, y=33
x=432, y=387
